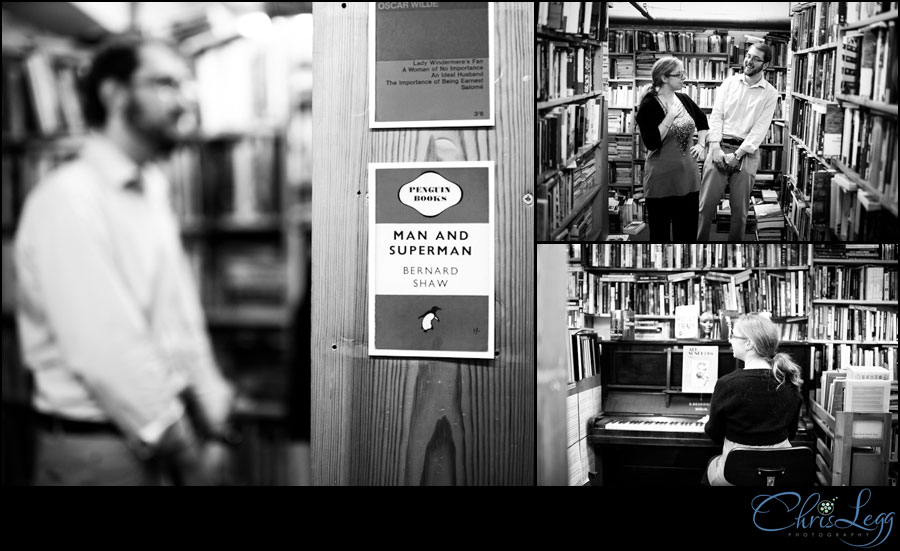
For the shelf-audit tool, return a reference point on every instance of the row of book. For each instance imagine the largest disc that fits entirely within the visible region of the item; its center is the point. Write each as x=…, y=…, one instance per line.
x=869, y=62
x=566, y=190
x=770, y=158
x=860, y=389
x=856, y=215
x=855, y=251
x=629, y=41
x=620, y=121
x=812, y=181
x=814, y=74
x=798, y=212
x=858, y=11
x=842, y=356
x=621, y=67
x=784, y=294
x=564, y=70
x=584, y=355
x=778, y=79
x=816, y=25
x=237, y=180
x=775, y=134
x=620, y=148
x=240, y=275
x=818, y=126
x=695, y=256
x=565, y=130
x=586, y=19
x=855, y=283
x=869, y=148
x=40, y=95
x=622, y=96
x=854, y=322
x=703, y=95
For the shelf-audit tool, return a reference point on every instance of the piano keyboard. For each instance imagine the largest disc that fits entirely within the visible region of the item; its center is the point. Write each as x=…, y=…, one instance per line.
x=655, y=424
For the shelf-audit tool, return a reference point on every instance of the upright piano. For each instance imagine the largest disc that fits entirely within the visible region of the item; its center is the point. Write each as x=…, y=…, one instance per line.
x=650, y=432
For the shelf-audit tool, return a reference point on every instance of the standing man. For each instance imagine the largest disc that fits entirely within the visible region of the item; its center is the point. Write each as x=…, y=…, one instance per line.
x=109, y=318
x=738, y=124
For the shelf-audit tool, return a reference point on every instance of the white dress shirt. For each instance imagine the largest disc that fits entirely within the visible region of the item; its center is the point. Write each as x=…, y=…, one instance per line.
x=109, y=316
x=743, y=111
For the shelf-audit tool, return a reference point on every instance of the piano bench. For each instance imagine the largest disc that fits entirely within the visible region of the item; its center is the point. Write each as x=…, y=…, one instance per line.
x=771, y=467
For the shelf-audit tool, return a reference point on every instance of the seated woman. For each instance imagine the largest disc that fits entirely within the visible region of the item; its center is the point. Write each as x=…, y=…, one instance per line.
x=758, y=406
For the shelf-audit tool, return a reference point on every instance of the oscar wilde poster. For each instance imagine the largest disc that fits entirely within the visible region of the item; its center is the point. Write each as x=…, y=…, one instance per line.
x=431, y=64
x=431, y=259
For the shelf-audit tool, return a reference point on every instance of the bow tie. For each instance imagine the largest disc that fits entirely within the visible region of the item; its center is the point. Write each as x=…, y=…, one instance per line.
x=135, y=184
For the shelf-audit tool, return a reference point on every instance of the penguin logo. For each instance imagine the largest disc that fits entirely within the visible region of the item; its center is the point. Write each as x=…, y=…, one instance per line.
x=429, y=317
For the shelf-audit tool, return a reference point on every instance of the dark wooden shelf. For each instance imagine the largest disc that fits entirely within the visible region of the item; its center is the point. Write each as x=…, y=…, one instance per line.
x=266, y=225
x=247, y=318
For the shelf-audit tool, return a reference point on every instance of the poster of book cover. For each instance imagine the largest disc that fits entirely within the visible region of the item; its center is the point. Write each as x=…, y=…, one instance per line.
x=700, y=370
x=431, y=64
x=431, y=259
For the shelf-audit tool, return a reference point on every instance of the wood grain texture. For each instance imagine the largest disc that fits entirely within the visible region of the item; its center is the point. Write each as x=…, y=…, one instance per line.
x=389, y=421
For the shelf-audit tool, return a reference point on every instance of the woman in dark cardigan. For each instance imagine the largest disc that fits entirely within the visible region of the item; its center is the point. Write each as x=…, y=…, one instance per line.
x=757, y=406
x=667, y=120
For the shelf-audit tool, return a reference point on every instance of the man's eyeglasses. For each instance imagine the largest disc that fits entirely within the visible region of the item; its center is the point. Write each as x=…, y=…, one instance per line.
x=753, y=58
x=167, y=84
x=676, y=75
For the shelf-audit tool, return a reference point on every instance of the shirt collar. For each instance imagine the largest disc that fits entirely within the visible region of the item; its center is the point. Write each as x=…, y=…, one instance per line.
x=759, y=83
x=105, y=156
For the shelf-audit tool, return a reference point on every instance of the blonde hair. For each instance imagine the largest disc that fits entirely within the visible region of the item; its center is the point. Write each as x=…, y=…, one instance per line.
x=661, y=68
x=763, y=335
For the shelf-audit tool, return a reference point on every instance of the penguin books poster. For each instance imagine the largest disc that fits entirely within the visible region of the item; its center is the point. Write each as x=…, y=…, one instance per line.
x=431, y=64
x=431, y=259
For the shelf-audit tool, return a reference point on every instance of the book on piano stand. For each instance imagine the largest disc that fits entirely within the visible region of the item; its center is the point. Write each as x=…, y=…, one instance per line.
x=701, y=369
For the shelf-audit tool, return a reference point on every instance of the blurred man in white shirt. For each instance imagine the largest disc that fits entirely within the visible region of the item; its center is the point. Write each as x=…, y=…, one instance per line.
x=109, y=316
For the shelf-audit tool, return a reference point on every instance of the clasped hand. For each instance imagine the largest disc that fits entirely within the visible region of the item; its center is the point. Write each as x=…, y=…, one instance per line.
x=724, y=161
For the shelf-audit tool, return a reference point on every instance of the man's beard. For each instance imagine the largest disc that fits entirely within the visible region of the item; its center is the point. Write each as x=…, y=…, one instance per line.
x=161, y=135
x=750, y=70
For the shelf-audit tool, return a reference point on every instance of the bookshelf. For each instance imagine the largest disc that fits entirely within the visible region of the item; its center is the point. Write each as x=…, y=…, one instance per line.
x=583, y=390
x=242, y=192
x=658, y=282
x=868, y=98
x=843, y=116
x=854, y=323
x=42, y=126
x=570, y=112
x=709, y=57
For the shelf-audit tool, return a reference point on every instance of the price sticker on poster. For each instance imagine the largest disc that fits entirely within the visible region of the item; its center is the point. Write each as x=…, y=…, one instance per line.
x=431, y=259
x=431, y=64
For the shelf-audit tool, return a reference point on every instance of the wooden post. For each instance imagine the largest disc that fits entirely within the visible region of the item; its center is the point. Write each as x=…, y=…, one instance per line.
x=408, y=421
